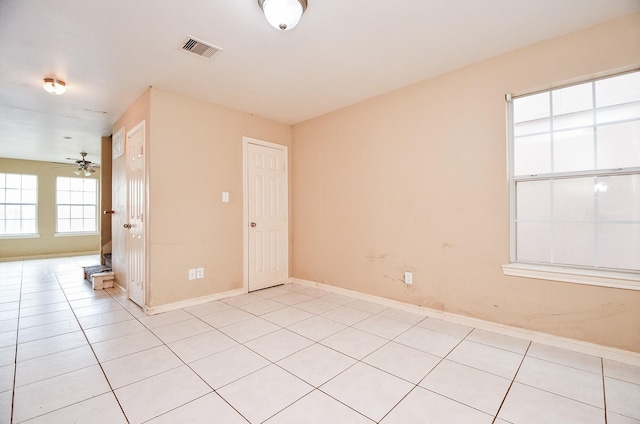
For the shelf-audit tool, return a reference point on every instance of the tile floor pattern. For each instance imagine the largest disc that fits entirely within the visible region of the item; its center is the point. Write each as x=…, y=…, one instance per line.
x=289, y=354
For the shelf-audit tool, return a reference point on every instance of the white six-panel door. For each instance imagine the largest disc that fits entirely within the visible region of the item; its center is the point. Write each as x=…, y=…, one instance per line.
x=266, y=186
x=136, y=206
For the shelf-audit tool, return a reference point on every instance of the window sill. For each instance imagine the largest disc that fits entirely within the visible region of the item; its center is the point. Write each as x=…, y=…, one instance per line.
x=19, y=236
x=76, y=234
x=619, y=280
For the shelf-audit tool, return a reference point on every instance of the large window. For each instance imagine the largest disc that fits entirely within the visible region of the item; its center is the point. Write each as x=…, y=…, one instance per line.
x=575, y=175
x=18, y=204
x=76, y=202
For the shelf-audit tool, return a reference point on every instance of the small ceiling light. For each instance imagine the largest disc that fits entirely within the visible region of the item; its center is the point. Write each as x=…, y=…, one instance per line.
x=283, y=14
x=54, y=86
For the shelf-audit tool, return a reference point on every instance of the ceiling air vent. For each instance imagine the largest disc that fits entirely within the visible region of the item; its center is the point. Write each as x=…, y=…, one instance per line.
x=200, y=48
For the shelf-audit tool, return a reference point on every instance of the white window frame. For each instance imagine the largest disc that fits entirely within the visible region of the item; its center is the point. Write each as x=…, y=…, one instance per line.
x=570, y=274
x=33, y=234
x=96, y=205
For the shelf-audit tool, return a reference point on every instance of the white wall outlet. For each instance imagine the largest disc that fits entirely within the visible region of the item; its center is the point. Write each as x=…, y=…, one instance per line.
x=200, y=273
x=192, y=274
x=408, y=277
x=225, y=196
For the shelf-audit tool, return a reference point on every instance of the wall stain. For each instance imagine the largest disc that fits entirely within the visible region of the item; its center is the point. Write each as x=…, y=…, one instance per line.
x=374, y=257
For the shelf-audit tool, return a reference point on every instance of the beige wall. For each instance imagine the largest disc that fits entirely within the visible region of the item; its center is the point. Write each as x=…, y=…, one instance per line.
x=195, y=154
x=416, y=180
x=47, y=245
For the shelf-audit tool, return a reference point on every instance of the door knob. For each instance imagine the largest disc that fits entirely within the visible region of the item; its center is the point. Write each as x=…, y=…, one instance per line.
x=253, y=224
x=127, y=226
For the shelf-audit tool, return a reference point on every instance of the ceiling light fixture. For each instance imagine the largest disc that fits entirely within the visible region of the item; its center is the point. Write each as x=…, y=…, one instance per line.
x=54, y=86
x=283, y=14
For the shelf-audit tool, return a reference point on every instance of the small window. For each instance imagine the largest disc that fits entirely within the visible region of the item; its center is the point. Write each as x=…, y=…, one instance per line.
x=575, y=175
x=77, y=205
x=18, y=204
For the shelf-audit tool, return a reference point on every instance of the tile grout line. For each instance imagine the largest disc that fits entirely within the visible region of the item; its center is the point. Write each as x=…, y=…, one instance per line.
x=416, y=385
x=15, y=357
x=495, y=417
x=90, y=345
x=604, y=391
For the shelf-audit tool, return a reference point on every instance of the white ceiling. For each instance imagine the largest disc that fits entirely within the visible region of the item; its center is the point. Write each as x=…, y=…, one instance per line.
x=342, y=52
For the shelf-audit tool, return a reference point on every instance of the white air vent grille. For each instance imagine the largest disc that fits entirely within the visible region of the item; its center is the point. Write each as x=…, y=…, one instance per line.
x=200, y=48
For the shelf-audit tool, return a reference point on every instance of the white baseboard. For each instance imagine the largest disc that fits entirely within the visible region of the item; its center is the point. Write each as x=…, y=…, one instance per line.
x=49, y=256
x=153, y=310
x=579, y=346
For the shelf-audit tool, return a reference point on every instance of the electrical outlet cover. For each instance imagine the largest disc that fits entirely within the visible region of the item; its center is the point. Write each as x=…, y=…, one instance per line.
x=200, y=273
x=408, y=277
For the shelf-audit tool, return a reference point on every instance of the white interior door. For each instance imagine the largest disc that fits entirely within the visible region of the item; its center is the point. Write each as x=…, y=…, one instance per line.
x=136, y=207
x=267, y=215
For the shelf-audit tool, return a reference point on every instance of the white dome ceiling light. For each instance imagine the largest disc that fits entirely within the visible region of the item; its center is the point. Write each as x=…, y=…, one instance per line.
x=54, y=86
x=283, y=14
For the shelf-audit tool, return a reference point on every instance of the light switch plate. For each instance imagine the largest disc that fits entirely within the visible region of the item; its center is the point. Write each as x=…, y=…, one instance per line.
x=225, y=196
x=192, y=274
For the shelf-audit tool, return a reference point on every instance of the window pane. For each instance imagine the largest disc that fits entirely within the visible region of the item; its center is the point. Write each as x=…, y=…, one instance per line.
x=89, y=185
x=90, y=198
x=13, y=226
x=13, y=195
x=29, y=196
x=619, y=246
x=574, y=244
x=76, y=225
x=14, y=181
x=89, y=225
x=64, y=211
x=532, y=155
x=64, y=225
x=533, y=242
x=76, y=184
x=29, y=212
x=619, y=145
x=618, y=98
x=29, y=182
x=618, y=113
x=618, y=90
x=63, y=183
x=533, y=201
x=573, y=106
x=89, y=212
x=3, y=197
x=29, y=226
x=573, y=199
x=76, y=197
x=64, y=197
x=573, y=150
x=531, y=108
x=618, y=198
x=3, y=179
x=76, y=212
x=13, y=211
x=3, y=214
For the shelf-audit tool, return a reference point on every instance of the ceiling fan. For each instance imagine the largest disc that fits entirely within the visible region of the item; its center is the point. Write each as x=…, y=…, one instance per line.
x=84, y=166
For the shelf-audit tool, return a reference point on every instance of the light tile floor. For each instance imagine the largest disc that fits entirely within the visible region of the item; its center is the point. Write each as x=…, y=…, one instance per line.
x=289, y=354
